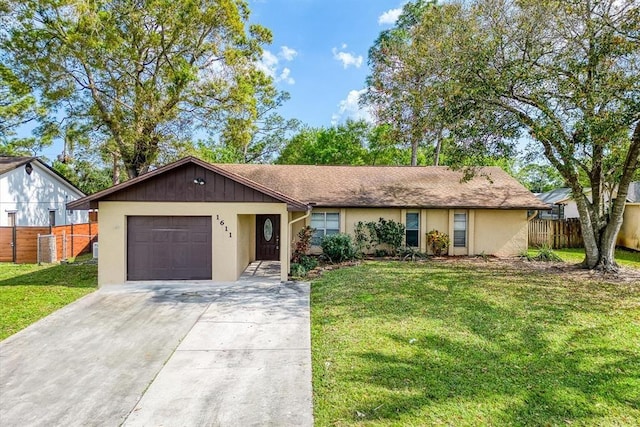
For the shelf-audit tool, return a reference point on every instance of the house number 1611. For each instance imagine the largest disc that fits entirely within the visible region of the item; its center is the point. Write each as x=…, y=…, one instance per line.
x=226, y=229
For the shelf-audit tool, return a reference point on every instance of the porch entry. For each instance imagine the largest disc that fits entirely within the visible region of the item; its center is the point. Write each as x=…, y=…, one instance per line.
x=267, y=237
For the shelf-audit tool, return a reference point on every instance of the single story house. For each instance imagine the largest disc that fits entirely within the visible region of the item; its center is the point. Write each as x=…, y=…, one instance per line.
x=192, y=220
x=34, y=194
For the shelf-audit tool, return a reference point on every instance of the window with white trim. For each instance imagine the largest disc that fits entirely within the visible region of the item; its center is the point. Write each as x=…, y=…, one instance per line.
x=326, y=224
x=412, y=230
x=52, y=218
x=459, y=230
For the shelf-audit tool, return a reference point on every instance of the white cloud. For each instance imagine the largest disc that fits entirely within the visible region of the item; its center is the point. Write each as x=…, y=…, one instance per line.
x=287, y=53
x=349, y=108
x=348, y=59
x=285, y=76
x=269, y=64
x=390, y=16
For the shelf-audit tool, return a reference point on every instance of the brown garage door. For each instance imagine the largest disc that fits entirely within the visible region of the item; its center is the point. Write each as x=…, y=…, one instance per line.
x=168, y=248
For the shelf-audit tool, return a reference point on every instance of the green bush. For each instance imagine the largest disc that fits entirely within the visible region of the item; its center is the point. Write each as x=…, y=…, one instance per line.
x=302, y=265
x=338, y=247
x=546, y=254
x=297, y=270
x=308, y=262
x=387, y=232
x=407, y=252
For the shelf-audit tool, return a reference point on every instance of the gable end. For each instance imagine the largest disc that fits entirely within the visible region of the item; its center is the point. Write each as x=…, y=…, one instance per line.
x=181, y=185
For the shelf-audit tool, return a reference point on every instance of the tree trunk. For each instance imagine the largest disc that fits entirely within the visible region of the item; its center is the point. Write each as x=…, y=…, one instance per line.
x=414, y=153
x=591, y=239
x=116, y=170
x=436, y=160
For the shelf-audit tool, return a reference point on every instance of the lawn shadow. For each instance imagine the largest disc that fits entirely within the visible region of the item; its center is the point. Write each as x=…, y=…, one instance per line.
x=75, y=275
x=502, y=354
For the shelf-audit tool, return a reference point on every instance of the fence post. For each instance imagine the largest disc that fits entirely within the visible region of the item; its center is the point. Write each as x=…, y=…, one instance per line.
x=14, y=243
x=72, y=252
x=38, y=249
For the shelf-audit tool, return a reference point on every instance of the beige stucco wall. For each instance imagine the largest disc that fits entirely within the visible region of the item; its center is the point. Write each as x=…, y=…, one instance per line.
x=246, y=242
x=433, y=219
x=629, y=235
x=500, y=233
x=353, y=216
x=228, y=259
x=492, y=232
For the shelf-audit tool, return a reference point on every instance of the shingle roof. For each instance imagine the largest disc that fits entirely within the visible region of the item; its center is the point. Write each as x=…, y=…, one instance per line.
x=557, y=195
x=391, y=186
x=90, y=201
x=8, y=164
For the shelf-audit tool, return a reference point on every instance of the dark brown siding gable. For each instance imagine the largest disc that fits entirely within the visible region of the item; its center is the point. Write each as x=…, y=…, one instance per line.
x=178, y=185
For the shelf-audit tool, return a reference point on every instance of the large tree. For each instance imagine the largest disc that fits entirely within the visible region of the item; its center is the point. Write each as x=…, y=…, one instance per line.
x=565, y=72
x=399, y=89
x=142, y=74
x=18, y=106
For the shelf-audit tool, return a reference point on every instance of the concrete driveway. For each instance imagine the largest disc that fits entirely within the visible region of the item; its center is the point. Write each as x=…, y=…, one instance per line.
x=165, y=354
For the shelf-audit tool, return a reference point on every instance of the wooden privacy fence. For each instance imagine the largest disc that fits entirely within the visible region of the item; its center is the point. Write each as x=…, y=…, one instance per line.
x=21, y=244
x=557, y=234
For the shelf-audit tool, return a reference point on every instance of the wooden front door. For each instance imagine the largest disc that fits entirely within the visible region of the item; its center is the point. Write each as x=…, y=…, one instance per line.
x=267, y=237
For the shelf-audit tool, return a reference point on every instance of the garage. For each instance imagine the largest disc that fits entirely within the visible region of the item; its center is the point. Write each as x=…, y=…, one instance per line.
x=169, y=248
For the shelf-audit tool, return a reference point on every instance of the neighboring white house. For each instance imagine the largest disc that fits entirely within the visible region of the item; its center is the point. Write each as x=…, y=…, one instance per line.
x=563, y=205
x=33, y=194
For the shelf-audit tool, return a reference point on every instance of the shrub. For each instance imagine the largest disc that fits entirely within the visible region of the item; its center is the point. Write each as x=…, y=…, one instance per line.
x=407, y=252
x=386, y=232
x=303, y=266
x=297, y=270
x=362, y=240
x=338, y=247
x=439, y=242
x=546, y=254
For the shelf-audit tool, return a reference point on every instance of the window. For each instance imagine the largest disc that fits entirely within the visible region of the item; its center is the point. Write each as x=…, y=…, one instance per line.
x=11, y=219
x=325, y=225
x=412, y=231
x=460, y=230
x=52, y=218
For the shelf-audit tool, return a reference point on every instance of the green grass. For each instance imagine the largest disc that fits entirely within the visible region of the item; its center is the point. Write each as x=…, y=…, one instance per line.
x=624, y=258
x=29, y=292
x=464, y=343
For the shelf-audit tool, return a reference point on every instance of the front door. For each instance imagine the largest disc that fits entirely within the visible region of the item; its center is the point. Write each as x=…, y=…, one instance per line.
x=267, y=237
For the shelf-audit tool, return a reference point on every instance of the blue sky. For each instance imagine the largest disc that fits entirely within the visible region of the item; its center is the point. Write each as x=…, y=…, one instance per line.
x=318, y=55
x=319, y=52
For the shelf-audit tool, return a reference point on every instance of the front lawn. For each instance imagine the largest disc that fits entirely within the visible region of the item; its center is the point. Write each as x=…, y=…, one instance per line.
x=473, y=343
x=29, y=292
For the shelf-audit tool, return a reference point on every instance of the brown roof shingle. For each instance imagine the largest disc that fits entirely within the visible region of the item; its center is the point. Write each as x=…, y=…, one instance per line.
x=8, y=164
x=391, y=186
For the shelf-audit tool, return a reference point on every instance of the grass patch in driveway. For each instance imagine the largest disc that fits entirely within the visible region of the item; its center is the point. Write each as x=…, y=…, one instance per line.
x=473, y=343
x=29, y=292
